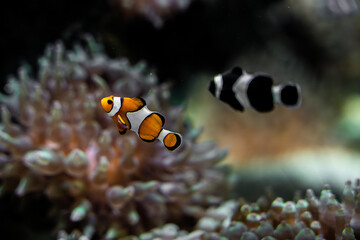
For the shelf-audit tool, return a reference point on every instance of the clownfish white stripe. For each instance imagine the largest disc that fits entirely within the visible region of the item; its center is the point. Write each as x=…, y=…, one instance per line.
x=219, y=85
x=136, y=118
x=116, y=106
x=163, y=134
x=240, y=88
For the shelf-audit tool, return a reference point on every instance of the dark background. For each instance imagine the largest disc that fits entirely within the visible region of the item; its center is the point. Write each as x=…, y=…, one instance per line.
x=205, y=37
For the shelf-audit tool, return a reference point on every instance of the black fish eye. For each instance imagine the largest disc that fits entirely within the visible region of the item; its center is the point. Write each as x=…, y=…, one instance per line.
x=110, y=102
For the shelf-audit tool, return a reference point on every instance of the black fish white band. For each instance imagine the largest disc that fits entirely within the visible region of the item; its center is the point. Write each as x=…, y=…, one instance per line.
x=240, y=86
x=219, y=84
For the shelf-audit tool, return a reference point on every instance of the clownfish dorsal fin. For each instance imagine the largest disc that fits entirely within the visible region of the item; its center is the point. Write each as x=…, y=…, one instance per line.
x=140, y=102
x=237, y=70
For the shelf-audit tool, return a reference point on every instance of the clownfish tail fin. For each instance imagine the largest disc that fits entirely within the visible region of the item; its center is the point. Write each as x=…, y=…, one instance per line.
x=171, y=140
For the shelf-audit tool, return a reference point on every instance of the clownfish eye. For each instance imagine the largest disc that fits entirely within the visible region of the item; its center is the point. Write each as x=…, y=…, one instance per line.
x=110, y=102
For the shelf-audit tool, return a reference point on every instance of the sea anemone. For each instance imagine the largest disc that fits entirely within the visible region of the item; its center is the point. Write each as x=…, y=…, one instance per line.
x=154, y=10
x=273, y=218
x=269, y=218
x=55, y=139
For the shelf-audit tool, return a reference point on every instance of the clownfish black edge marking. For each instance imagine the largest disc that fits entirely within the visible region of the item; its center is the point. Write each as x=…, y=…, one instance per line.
x=161, y=117
x=143, y=101
x=142, y=106
x=123, y=132
x=178, y=142
x=149, y=141
x=128, y=122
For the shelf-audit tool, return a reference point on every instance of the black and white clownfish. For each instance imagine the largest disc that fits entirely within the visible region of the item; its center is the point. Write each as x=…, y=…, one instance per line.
x=133, y=114
x=242, y=90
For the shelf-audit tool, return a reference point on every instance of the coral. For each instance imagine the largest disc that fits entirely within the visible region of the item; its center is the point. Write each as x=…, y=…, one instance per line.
x=269, y=218
x=154, y=10
x=55, y=139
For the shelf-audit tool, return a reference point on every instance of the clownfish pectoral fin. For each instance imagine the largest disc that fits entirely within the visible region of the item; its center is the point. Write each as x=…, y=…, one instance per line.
x=121, y=121
x=122, y=127
x=140, y=102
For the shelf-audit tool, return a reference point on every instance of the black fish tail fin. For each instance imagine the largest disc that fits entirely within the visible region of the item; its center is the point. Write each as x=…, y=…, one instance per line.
x=287, y=94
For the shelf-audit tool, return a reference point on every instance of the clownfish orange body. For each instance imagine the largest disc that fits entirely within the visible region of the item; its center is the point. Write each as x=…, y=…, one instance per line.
x=133, y=114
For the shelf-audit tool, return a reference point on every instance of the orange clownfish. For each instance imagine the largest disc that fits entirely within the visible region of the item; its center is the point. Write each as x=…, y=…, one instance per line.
x=133, y=114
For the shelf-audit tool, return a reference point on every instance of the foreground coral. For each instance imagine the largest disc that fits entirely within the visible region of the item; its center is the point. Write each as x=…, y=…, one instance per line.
x=304, y=219
x=309, y=218
x=267, y=219
x=64, y=146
